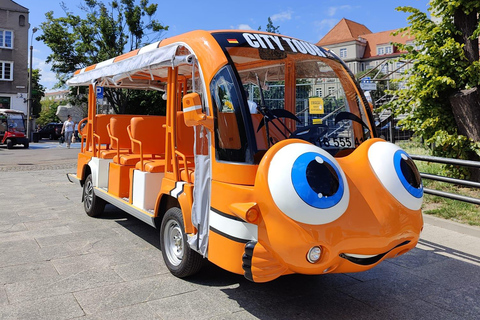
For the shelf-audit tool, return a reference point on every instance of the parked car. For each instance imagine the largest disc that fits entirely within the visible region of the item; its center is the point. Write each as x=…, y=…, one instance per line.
x=51, y=131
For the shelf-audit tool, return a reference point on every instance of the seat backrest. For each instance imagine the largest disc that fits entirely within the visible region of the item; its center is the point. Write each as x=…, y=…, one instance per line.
x=151, y=132
x=185, y=136
x=118, y=129
x=102, y=120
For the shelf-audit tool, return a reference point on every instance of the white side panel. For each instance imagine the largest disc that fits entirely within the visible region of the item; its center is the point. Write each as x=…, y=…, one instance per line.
x=146, y=187
x=100, y=169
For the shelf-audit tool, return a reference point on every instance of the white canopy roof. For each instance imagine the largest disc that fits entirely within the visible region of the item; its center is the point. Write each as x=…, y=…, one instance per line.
x=148, y=59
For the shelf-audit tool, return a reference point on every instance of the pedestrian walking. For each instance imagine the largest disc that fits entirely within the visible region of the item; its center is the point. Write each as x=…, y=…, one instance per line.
x=68, y=129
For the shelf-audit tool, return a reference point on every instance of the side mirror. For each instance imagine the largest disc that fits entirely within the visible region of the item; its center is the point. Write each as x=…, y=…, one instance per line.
x=192, y=111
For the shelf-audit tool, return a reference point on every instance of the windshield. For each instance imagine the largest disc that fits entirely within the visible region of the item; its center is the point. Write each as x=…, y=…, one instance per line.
x=283, y=88
x=15, y=122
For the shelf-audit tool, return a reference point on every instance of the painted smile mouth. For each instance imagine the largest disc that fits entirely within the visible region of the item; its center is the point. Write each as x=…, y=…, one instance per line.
x=366, y=260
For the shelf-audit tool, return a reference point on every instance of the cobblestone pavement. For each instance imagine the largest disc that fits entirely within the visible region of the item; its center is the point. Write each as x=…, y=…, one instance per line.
x=58, y=263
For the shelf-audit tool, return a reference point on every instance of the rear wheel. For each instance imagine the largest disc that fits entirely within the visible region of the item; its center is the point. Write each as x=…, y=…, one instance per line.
x=179, y=258
x=93, y=205
x=9, y=144
x=26, y=145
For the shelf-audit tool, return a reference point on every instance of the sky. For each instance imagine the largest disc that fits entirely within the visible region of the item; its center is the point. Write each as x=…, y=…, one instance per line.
x=308, y=20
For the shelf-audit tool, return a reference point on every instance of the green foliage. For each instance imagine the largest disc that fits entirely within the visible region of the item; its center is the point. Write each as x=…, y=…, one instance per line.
x=48, y=113
x=270, y=27
x=105, y=30
x=440, y=69
x=38, y=91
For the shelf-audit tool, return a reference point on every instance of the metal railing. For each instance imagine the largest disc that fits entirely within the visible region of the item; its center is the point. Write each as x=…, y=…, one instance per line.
x=466, y=183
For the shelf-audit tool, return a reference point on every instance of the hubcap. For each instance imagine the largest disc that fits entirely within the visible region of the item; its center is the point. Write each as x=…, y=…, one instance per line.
x=173, y=240
x=88, y=194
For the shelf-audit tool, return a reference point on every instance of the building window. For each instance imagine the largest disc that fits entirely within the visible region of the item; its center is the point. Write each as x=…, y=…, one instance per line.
x=6, y=70
x=384, y=49
x=4, y=102
x=400, y=67
x=343, y=53
x=331, y=90
x=6, y=39
x=318, y=92
x=21, y=20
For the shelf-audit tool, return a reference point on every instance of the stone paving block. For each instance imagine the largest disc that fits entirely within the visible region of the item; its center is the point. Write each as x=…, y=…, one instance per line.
x=51, y=308
x=240, y=315
x=60, y=284
x=417, y=309
x=84, y=238
x=386, y=292
x=132, y=292
x=190, y=305
x=464, y=302
x=449, y=274
x=14, y=258
x=139, y=311
x=25, y=272
x=11, y=227
x=80, y=263
x=139, y=269
x=3, y=296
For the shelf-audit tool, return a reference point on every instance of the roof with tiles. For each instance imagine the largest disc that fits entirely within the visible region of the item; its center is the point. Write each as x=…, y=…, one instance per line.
x=347, y=30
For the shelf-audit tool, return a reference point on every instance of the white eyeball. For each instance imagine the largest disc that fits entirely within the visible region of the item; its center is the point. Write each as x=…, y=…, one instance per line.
x=307, y=184
x=398, y=173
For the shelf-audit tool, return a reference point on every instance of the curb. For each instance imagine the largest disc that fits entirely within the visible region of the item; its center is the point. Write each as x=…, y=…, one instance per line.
x=452, y=225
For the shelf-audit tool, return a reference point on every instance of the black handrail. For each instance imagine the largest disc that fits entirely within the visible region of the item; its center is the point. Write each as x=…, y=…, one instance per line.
x=444, y=194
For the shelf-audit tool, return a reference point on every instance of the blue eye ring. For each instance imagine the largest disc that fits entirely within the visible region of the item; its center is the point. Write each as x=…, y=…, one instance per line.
x=303, y=187
x=398, y=157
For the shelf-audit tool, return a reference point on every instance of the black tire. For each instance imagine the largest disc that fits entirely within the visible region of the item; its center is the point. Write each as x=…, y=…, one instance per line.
x=9, y=144
x=51, y=136
x=26, y=145
x=93, y=205
x=180, y=259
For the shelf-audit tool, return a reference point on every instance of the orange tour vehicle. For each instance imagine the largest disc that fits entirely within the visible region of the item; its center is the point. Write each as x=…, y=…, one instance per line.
x=266, y=162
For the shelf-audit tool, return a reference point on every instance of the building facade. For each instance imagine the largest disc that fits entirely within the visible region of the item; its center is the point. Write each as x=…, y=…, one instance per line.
x=14, y=27
x=363, y=50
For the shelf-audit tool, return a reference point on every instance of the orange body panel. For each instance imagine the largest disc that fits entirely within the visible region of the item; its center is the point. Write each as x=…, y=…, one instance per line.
x=119, y=180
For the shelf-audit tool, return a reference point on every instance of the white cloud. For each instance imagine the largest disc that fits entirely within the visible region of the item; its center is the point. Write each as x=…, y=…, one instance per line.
x=282, y=16
x=47, y=78
x=333, y=10
x=325, y=24
x=244, y=26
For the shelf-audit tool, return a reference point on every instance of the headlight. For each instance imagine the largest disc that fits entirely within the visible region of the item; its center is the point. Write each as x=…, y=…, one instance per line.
x=307, y=184
x=398, y=173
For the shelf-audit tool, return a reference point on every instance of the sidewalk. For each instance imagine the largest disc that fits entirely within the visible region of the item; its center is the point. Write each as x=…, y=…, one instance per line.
x=58, y=263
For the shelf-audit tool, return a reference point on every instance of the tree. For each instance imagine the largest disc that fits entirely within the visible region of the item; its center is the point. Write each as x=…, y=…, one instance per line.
x=38, y=91
x=270, y=27
x=48, y=113
x=441, y=98
x=106, y=31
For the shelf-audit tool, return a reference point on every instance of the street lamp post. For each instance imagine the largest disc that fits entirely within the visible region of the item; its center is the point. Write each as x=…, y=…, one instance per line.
x=29, y=104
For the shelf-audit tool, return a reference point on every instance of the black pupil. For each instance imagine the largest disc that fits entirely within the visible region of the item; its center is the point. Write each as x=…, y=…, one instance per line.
x=410, y=172
x=322, y=178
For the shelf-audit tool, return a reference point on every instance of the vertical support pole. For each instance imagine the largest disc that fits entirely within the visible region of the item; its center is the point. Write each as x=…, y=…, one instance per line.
x=290, y=92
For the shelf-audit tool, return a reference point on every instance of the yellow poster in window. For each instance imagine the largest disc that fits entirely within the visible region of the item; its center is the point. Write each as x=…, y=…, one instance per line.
x=315, y=105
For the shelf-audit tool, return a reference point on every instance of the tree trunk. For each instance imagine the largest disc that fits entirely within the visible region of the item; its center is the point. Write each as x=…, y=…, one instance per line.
x=466, y=110
x=467, y=24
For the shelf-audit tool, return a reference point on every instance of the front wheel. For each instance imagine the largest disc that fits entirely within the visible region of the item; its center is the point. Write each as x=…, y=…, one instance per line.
x=179, y=258
x=93, y=205
x=9, y=144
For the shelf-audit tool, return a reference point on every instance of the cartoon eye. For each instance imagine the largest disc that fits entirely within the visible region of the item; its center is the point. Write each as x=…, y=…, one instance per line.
x=398, y=173
x=307, y=184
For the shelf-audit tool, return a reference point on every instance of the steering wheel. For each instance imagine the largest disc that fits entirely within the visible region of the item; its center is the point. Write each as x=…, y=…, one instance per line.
x=311, y=133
